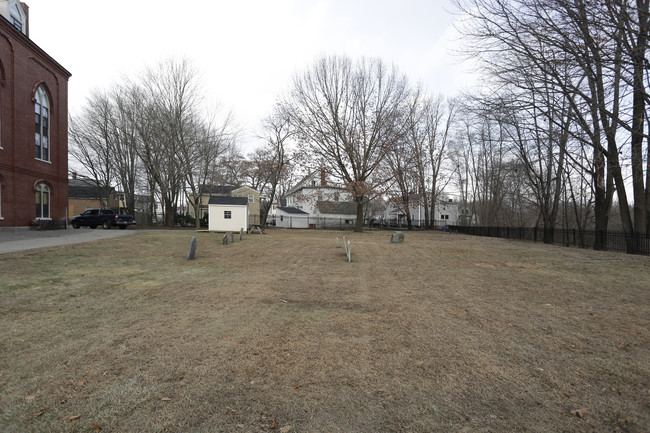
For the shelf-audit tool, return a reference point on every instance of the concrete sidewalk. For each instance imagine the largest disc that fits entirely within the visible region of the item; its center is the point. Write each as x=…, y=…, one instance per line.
x=13, y=240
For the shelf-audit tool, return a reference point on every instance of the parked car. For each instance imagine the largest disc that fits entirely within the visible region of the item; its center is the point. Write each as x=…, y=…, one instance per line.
x=101, y=217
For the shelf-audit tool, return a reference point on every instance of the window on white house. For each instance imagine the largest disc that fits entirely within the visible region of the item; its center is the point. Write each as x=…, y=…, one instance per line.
x=42, y=124
x=42, y=201
x=251, y=198
x=227, y=215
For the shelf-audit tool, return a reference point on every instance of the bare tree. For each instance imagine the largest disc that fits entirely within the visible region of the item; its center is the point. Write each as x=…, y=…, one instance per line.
x=177, y=143
x=594, y=53
x=275, y=158
x=404, y=174
x=347, y=113
x=428, y=127
x=91, y=142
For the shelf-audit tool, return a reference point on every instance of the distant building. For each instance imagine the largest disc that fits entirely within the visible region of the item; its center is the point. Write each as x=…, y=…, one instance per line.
x=208, y=191
x=445, y=213
x=33, y=125
x=84, y=194
x=327, y=204
x=291, y=218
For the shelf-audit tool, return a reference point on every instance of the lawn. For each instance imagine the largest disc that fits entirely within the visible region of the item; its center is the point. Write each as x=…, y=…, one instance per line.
x=280, y=333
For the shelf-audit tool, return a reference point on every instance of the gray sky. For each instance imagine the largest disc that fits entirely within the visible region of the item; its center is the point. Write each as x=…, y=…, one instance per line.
x=246, y=51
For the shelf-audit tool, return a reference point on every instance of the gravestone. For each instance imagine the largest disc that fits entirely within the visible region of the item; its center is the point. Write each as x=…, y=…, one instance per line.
x=241, y=234
x=192, y=252
x=397, y=238
x=232, y=238
x=348, y=252
x=225, y=240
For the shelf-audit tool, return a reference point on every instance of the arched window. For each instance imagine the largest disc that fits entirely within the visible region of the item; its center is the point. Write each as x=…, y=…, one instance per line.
x=42, y=201
x=42, y=124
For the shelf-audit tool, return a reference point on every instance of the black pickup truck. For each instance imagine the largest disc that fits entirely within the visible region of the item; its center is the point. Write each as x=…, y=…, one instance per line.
x=101, y=217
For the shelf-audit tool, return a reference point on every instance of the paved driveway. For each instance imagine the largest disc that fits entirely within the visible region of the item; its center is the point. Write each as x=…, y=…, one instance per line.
x=23, y=239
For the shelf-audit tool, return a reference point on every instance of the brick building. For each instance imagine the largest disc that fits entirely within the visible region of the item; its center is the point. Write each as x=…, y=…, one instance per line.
x=33, y=125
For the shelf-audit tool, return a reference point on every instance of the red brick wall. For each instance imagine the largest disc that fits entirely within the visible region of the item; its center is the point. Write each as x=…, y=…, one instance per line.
x=23, y=66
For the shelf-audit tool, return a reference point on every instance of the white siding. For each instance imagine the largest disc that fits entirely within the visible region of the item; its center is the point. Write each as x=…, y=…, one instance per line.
x=291, y=221
x=238, y=218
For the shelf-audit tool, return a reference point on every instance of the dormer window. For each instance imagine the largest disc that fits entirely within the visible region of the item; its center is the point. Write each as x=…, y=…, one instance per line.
x=17, y=23
x=16, y=16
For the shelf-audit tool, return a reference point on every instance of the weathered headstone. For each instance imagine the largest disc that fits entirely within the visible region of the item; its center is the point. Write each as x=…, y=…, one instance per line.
x=348, y=252
x=397, y=238
x=225, y=240
x=241, y=233
x=191, y=254
x=232, y=238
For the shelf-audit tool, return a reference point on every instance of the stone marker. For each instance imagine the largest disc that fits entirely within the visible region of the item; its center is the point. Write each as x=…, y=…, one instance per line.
x=232, y=238
x=348, y=252
x=241, y=233
x=192, y=252
x=225, y=240
x=397, y=238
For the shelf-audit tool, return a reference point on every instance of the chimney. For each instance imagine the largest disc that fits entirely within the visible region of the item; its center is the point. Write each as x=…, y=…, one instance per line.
x=323, y=182
x=26, y=9
x=74, y=175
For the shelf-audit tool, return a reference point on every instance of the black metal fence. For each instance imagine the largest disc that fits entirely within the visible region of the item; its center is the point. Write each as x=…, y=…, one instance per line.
x=311, y=222
x=402, y=224
x=611, y=241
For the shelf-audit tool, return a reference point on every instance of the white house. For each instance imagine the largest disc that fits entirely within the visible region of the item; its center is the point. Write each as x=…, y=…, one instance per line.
x=291, y=218
x=227, y=214
x=322, y=199
x=445, y=213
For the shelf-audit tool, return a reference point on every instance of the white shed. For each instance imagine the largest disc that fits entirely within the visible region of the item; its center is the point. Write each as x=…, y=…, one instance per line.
x=291, y=218
x=227, y=214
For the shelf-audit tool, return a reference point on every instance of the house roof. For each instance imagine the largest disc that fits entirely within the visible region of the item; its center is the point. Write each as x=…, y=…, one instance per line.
x=233, y=201
x=336, y=207
x=217, y=189
x=78, y=188
x=222, y=189
x=292, y=210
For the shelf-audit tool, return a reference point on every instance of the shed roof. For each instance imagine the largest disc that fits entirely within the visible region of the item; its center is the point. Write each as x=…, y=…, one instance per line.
x=232, y=201
x=292, y=210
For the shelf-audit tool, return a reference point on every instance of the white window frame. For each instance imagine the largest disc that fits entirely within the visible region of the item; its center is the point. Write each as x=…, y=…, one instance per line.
x=42, y=191
x=42, y=124
x=251, y=198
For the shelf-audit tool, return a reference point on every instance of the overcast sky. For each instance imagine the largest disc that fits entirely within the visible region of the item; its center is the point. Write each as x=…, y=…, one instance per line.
x=246, y=51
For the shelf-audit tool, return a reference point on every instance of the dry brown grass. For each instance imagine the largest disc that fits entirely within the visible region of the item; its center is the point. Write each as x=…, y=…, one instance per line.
x=279, y=333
